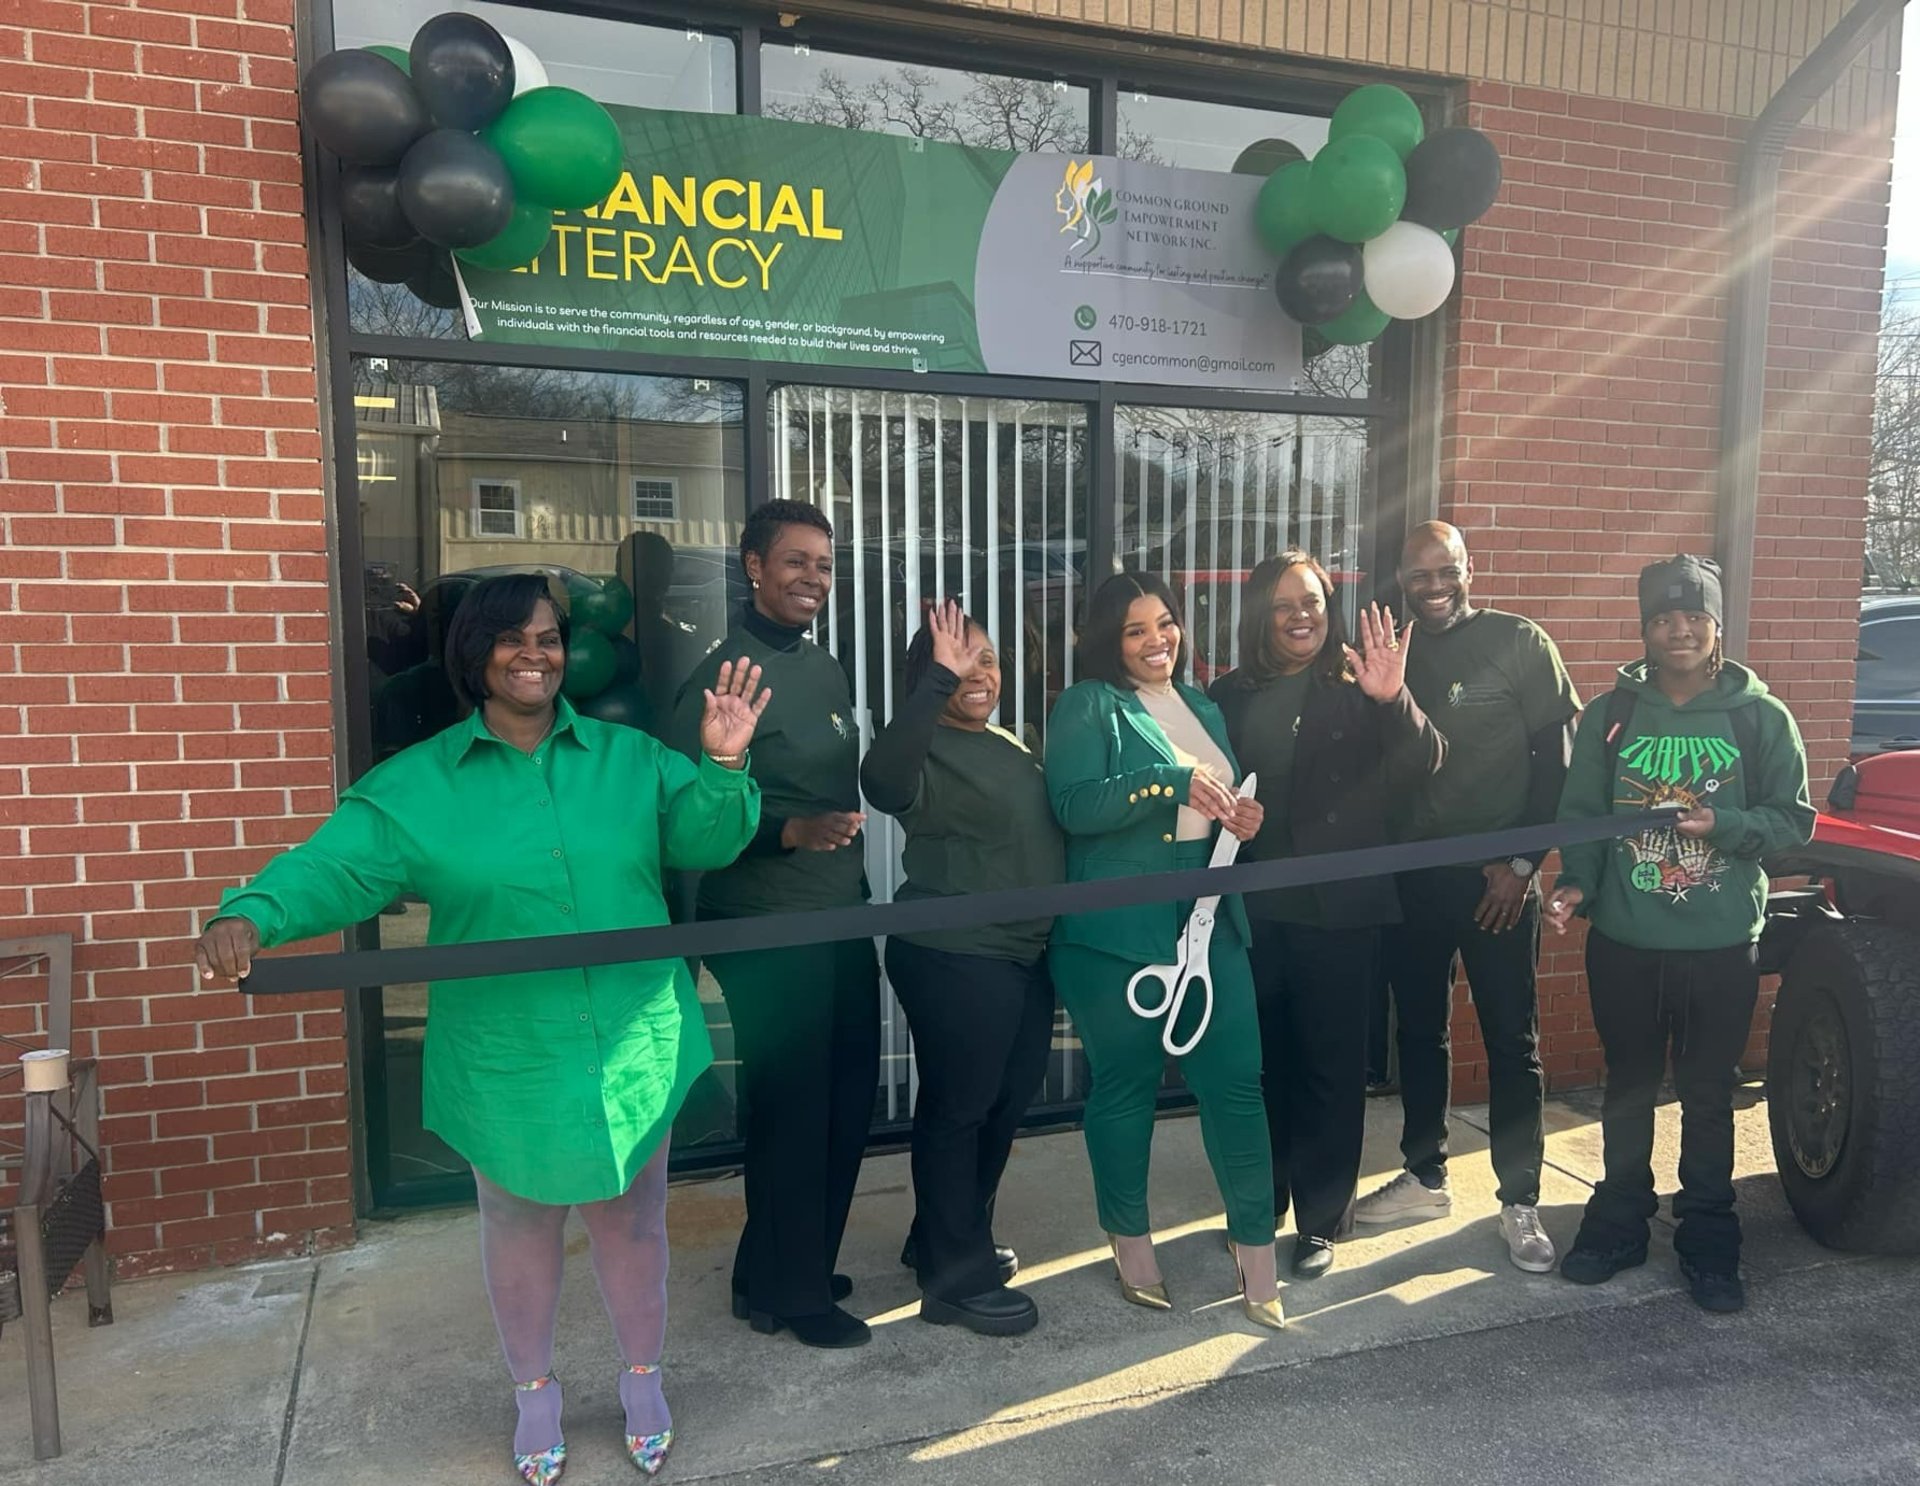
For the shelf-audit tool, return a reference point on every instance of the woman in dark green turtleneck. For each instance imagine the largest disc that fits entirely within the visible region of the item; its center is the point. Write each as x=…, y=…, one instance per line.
x=973, y=803
x=806, y=1025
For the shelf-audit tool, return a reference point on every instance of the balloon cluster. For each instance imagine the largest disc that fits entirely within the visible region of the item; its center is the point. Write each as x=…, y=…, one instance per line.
x=1365, y=229
x=603, y=665
x=457, y=145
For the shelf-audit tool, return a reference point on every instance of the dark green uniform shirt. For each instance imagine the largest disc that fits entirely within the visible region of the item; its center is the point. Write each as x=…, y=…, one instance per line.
x=557, y=1085
x=806, y=760
x=975, y=811
x=1488, y=684
x=1266, y=748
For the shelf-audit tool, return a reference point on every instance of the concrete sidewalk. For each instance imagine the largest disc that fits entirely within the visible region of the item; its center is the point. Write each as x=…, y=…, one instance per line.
x=1423, y=1357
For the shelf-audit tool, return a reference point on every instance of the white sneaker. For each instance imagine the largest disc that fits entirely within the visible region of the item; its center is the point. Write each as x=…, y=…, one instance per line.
x=1406, y=1196
x=1527, y=1242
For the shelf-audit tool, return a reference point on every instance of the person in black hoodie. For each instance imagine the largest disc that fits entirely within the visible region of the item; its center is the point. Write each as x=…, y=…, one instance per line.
x=1330, y=731
x=1676, y=913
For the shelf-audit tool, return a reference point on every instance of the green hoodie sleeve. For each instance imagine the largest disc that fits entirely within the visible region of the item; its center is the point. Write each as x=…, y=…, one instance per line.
x=1586, y=795
x=1778, y=813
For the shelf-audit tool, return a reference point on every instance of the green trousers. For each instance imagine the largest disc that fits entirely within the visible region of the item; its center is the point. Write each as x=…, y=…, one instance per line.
x=1127, y=1060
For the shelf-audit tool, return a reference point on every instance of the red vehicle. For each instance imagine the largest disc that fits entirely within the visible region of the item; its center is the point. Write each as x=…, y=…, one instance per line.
x=1843, y=1072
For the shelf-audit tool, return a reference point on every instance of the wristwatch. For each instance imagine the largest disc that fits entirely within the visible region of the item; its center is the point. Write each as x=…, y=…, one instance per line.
x=1521, y=867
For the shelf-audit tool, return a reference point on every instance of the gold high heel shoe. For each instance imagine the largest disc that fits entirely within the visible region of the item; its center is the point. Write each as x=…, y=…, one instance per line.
x=1153, y=1297
x=1265, y=1313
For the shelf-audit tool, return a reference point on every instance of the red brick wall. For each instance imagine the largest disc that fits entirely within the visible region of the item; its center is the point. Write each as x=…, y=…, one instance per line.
x=1582, y=408
x=164, y=660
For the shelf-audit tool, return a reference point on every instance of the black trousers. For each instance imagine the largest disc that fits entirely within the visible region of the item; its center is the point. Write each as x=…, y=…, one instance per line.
x=806, y=1029
x=1438, y=930
x=1700, y=1004
x=981, y=1031
x=1312, y=990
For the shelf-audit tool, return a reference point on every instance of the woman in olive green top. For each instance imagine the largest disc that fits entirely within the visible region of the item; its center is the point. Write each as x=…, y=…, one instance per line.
x=973, y=801
x=560, y=1087
x=806, y=1020
x=1140, y=775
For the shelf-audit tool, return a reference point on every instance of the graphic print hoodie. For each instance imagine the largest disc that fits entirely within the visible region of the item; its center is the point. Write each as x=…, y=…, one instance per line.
x=1659, y=889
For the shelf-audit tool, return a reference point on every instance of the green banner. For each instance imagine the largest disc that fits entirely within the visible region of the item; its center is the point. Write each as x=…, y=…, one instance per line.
x=752, y=238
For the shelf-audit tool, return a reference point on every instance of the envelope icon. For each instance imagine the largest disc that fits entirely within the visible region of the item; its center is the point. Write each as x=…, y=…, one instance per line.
x=1083, y=353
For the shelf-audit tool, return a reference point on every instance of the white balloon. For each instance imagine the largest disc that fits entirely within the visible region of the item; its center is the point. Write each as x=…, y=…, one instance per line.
x=1408, y=270
x=528, y=73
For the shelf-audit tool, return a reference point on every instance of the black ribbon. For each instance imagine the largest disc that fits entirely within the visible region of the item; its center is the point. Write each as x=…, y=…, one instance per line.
x=281, y=975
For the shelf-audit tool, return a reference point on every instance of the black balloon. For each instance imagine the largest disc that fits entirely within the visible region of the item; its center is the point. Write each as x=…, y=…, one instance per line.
x=455, y=189
x=389, y=265
x=463, y=69
x=1319, y=279
x=435, y=284
x=1453, y=175
x=370, y=207
x=362, y=107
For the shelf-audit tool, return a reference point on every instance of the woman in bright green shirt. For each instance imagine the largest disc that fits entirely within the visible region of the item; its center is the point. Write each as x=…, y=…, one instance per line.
x=560, y=1087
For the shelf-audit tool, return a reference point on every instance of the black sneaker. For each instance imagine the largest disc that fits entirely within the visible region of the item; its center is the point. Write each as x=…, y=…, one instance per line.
x=1589, y=1264
x=1312, y=1257
x=1716, y=1290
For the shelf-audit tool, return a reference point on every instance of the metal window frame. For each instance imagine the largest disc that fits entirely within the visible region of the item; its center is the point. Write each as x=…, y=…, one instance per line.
x=1403, y=402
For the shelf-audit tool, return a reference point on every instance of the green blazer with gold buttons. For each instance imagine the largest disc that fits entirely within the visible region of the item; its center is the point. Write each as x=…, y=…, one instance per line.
x=1116, y=792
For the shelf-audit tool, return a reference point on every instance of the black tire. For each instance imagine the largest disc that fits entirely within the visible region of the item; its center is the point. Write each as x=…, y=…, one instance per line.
x=1843, y=1086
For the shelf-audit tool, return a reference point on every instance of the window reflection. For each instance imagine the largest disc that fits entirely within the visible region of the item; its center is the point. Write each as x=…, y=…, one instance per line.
x=1203, y=494
x=612, y=61
x=973, y=108
x=1207, y=136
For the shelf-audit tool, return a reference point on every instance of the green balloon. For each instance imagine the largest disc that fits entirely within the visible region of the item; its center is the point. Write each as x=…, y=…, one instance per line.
x=560, y=147
x=1383, y=112
x=1357, y=324
x=394, y=54
x=1265, y=156
x=1357, y=189
x=516, y=244
x=1451, y=236
x=590, y=664
x=606, y=607
x=1284, y=209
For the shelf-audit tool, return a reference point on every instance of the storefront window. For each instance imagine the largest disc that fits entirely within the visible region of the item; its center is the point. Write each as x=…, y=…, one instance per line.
x=975, y=108
x=612, y=61
x=1204, y=494
x=1207, y=136
x=465, y=471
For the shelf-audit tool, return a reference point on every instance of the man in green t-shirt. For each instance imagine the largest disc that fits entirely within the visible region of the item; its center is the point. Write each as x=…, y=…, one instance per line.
x=1493, y=683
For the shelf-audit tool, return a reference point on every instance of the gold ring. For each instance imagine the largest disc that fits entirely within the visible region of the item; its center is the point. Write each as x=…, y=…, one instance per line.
x=1393, y=644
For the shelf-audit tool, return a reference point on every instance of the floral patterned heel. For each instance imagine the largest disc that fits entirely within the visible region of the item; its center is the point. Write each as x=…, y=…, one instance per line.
x=648, y=1452
x=543, y=1467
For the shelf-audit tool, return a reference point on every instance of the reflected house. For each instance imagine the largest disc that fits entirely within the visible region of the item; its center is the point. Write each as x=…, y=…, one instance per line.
x=445, y=491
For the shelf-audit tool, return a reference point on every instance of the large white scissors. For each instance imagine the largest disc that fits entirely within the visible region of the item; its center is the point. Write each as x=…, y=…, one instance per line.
x=1191, y=968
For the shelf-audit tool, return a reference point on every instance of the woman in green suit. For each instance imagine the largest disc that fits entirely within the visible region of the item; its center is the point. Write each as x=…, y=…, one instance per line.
x=1141, y=776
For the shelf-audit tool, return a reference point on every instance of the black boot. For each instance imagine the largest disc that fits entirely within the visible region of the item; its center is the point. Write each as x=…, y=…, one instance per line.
x=1004, y=1257
x=998, y=1312
x=831, y=1328
x=1714, y=1287
x=838, y=1286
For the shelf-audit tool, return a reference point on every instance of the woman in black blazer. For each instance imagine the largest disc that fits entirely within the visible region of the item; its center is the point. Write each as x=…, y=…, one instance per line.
x=1333, y=734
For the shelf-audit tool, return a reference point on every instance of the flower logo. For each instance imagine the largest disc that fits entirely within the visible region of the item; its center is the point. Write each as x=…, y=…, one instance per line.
x=1086, y=204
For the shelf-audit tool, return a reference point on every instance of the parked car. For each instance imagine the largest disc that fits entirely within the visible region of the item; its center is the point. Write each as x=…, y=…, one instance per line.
x=1886, y=685
x=1843, y=1065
